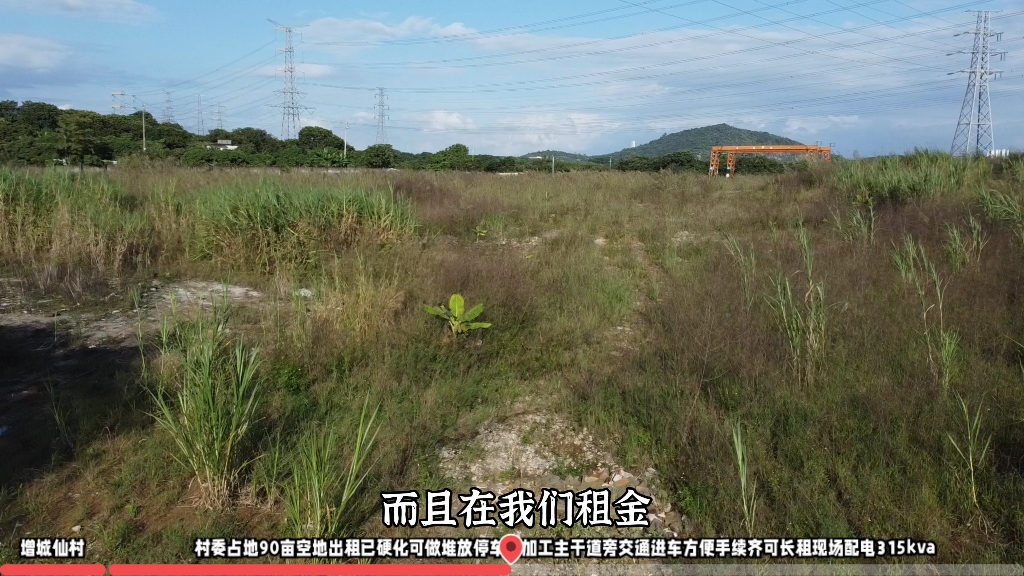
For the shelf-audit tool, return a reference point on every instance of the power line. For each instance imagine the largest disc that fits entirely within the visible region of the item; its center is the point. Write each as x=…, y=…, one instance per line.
x=211, y=71
x=522, y=85
x=974, y=132
x=546, y=51
x=220, y=82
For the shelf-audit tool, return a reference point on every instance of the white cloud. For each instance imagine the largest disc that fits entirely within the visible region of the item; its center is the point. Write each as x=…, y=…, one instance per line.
x=314, y=70
x=362, y=30
x=444, y=120
x=816, y=124
x=129, y=11
x=31, y=52
x=64, y=107
x=315, y=121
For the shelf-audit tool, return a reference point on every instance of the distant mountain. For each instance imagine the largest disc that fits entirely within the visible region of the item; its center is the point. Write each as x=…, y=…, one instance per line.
x=700, y=141
x=562, y=156
x=696, y=140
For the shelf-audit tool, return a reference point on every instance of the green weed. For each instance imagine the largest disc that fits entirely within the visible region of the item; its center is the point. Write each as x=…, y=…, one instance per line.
x=319, y=493
x=216, y=402
x=747, y=264
x=970, y=448
x=748, y=490
x=803, y=323
x=963, y=249
x=942, y=343
x=459, y=319
x=857, y=225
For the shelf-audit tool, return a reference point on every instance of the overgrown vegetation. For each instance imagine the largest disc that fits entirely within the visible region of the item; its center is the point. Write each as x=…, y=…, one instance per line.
x=41, y=134
x=846, y=430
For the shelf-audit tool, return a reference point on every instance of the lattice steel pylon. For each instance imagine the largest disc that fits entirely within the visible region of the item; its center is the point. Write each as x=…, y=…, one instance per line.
x=382, y=115
x=290, y=107
x=200, y=129
x=974, y=133
x=118, y=105
x=168, y=107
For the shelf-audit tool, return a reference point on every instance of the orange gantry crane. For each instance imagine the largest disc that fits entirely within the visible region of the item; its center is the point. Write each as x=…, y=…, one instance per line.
x=822, y=152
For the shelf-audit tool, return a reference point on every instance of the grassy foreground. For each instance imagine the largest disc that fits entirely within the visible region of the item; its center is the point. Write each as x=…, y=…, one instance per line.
x=858, y=330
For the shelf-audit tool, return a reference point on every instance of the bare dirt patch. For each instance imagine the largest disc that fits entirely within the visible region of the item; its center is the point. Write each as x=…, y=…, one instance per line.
x=536, y=449
x=55, y=362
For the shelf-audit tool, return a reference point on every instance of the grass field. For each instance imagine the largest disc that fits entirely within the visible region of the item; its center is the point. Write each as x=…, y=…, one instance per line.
x=861, y=324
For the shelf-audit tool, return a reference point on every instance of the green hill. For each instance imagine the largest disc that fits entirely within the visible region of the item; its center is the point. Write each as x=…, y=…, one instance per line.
x=700, y=141
x=696, y=140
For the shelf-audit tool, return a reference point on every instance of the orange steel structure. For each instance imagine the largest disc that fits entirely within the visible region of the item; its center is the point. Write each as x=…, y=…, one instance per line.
x=822, y=152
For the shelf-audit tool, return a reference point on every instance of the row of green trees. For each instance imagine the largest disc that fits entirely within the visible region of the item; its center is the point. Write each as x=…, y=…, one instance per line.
x=37, y=133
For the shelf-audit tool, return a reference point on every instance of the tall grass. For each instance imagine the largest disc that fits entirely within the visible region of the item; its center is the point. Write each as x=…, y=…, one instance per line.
x=1002, y=207
x=270, y=223
x=943, y=344
x=747, y=264
x=970, y=448
x=217, y=396
x=748, y=490
x=901, y=178
x=803, y=323
x=856, y=225
x=964, y=249
x=320, y=492
x=56, y=223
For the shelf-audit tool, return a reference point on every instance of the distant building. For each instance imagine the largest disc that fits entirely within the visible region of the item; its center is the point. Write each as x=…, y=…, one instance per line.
x=222, y=145
x=998, y=153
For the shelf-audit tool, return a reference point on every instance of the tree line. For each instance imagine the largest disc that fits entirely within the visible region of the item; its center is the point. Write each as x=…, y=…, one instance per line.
x=40, y=134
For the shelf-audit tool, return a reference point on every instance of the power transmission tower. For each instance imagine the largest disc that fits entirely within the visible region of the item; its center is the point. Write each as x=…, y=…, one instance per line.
x=974, y=134
x=168, y=107
x=118, y=105
x=199, y=115
x=382, y=115
x=290, y=106
x=220, y=116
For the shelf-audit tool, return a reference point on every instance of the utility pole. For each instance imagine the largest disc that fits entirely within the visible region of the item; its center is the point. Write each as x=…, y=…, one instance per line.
x=552, y=164
x=220, y=116
x=118, y=105
x=382, y=115
x=168, y=107
x=290, y=95
x=199, y=115
x=143, y=121
x=974, y=133
x=344, y=148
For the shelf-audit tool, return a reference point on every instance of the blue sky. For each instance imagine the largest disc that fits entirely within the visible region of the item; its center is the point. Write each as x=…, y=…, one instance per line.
x=514, y=77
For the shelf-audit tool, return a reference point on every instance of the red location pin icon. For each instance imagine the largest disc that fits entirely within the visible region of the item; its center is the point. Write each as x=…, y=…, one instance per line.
x=511, y=547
